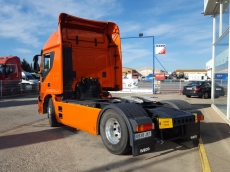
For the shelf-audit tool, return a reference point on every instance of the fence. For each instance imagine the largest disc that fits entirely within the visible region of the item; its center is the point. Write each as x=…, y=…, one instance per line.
x=171, y=85
x=166, y=86
x=15, y=87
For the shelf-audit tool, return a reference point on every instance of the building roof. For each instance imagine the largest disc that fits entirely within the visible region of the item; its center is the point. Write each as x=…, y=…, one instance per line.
x=211, y=7
x=145, y=68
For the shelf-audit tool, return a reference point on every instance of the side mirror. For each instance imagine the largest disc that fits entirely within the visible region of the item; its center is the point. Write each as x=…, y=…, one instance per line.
x=36, y=65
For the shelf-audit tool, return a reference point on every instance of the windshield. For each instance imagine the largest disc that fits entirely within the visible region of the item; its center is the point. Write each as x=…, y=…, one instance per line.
x=30, y=77
x=2, y=69
x=195, y=83
x=150, y=75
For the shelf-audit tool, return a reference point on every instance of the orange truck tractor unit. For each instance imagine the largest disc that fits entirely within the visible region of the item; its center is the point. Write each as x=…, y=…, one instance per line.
x=10, y=74
x=80, y=63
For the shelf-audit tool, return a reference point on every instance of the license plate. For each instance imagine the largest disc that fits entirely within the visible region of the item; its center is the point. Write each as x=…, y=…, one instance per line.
x=143, y=135
x=218, y=88
x=189, y=88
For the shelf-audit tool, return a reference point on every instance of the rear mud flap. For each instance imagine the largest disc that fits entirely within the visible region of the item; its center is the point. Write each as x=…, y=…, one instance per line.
x=192, y=131
x=143, y=146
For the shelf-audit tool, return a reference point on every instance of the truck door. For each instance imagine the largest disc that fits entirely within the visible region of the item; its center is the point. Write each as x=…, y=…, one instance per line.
x=46, y=65
x=51, y=73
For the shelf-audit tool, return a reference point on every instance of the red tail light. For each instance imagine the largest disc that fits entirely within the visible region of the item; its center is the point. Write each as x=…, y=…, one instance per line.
x=197, y=89
x=200, y=118
x=145, y=127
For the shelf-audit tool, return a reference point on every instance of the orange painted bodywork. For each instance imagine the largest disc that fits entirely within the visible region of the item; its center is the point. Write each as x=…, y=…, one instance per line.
x=96, y=52
x=77, y=116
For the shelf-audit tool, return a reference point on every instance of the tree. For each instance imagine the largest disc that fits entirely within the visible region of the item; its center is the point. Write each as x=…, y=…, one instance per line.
x=25, y=66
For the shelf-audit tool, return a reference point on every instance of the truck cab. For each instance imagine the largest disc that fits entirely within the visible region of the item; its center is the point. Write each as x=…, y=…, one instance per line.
x=10, y=74
x=81, y=59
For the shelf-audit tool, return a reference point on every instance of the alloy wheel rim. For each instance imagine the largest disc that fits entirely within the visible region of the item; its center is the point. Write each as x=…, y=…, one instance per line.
x=113, y=131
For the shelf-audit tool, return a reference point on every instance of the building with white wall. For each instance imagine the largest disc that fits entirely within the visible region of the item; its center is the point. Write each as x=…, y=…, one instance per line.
x=219, y=10
x=148, y=70
x=209, y=65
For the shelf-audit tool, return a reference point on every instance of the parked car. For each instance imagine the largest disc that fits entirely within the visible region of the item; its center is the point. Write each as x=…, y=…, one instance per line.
x=142, y=78
x=202, y=89
x=148, y=78
x=36, y=75
x=29, y=83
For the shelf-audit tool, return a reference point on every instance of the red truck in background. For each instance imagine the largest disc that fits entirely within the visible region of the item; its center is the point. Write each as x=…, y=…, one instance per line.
x=10, y=74
x=160, y=76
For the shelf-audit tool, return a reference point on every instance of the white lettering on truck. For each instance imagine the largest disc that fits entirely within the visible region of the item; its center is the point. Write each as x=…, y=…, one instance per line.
x=145, y=150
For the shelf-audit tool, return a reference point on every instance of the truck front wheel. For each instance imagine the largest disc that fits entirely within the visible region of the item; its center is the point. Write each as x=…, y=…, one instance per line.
x=51, y=114
x=114, y=133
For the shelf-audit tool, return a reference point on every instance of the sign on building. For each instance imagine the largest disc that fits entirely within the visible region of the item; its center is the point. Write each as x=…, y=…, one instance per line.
x=160, y=49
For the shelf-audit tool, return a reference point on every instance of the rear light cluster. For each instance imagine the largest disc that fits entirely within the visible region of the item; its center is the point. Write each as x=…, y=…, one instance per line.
x=198, y=118
x=145, y=127
x=197, y=89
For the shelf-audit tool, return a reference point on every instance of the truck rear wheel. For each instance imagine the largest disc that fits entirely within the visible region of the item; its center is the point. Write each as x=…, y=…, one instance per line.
x=114, y=133
x=51, y=114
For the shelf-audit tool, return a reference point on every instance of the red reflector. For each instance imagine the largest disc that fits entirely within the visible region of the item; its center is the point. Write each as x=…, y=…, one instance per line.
x=145, y=127
x=200, y=118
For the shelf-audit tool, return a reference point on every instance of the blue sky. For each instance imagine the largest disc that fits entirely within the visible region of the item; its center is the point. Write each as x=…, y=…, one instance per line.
x=26, y=25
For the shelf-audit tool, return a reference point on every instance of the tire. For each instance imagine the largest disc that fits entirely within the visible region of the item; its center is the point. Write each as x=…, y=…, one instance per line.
x=114, y=133
x=205, y=95
x=188, y=96
x=51, y=114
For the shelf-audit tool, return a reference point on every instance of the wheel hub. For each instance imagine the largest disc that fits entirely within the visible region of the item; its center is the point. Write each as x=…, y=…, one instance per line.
x=113, y=131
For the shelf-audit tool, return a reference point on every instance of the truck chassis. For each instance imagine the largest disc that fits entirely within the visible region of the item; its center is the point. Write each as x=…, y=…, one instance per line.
x=119, y=121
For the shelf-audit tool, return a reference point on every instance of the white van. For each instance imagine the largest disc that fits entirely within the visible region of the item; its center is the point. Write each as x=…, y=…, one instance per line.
x=29, y=83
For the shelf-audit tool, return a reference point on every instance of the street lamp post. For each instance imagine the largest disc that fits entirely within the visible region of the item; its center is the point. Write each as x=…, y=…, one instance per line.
x=141, y=36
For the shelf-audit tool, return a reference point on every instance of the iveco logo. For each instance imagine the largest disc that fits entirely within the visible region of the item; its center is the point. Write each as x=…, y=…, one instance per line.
x=145, y=150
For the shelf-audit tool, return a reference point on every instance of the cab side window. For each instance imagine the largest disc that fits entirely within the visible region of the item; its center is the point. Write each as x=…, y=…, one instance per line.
x=2, y=69
x=9, y=70
x=46, y=62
